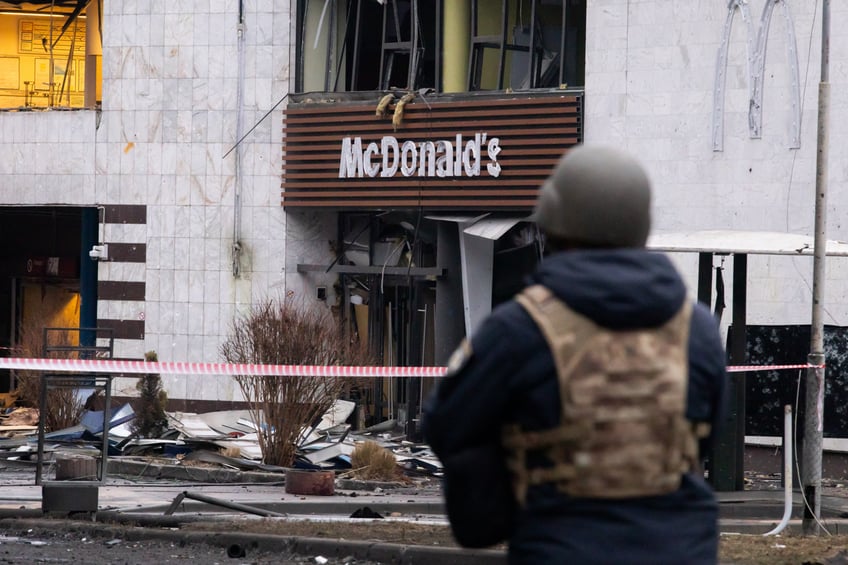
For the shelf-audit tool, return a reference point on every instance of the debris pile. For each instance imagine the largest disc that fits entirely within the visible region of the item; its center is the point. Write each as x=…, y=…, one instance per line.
x=227, y=439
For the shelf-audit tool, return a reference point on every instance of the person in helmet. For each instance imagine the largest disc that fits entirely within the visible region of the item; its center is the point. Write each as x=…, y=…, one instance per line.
x=573, y=422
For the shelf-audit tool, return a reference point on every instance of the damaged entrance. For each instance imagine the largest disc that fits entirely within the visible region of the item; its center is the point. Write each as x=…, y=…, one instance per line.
x=46, y=277
x=413, y=285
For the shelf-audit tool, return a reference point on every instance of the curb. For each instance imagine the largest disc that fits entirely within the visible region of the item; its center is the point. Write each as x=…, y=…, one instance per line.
x=760, y=527
x=151, y=470
x=373, y=551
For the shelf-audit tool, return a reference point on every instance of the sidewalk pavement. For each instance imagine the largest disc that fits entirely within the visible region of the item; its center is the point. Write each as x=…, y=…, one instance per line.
x=147, y=501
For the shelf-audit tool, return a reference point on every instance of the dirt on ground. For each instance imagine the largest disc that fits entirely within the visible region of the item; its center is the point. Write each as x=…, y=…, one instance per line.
x=734, y=549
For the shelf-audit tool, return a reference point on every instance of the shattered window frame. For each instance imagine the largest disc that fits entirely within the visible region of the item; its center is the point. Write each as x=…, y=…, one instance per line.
x=367, y=45
x=44, y=54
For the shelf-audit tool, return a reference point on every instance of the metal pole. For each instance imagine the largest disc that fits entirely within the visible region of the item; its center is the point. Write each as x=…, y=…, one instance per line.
x=811, y=468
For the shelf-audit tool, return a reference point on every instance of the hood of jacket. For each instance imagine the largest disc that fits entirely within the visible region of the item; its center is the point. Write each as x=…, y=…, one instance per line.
x=618, y=289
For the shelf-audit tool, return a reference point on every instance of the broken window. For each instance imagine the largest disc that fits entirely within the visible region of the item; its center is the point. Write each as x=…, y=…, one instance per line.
x=462, y=45
x=50, y=53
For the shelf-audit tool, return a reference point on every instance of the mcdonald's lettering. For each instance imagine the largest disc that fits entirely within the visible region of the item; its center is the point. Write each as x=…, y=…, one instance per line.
x=756, y=45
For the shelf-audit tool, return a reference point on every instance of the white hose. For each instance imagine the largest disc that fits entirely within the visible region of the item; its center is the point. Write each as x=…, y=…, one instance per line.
x=787, y=471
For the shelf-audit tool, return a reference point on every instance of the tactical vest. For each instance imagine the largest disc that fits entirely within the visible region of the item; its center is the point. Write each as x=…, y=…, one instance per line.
x=623, y=430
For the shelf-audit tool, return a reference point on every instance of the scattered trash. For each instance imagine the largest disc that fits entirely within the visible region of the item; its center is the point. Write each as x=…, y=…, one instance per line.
x=112, y=542
x=365, y=512
x=227, y=439
x=236, y=551
x=321, y=560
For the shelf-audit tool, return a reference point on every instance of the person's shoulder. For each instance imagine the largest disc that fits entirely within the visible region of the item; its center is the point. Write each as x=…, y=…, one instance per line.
x=704, y=321
x=508, y=330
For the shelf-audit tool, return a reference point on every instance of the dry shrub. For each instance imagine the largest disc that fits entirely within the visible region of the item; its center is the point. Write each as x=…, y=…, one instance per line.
x=371, y=462
x=234, y=452
x=150, y=420
x=282, y=332
x=64, y=405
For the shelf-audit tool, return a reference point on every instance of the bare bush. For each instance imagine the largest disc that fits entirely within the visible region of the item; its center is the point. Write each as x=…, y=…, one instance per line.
x=370, y=462
x=64, y=405
x=150, y=420
x=280, y=332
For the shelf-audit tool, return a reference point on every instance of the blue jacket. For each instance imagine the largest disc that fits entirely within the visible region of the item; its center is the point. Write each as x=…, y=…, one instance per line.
x=509, y=377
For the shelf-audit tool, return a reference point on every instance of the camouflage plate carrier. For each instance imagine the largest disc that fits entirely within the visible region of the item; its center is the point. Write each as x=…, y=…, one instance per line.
x=623, y=430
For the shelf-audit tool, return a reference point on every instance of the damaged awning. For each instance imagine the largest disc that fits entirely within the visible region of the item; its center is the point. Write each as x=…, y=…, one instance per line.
x=740, y=241
x=492, y=228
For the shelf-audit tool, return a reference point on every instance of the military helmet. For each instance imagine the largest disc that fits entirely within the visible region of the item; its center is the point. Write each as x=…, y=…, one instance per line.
x=596, y=196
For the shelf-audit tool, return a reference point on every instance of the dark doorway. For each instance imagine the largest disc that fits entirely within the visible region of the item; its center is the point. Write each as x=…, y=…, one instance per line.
x=40, y=265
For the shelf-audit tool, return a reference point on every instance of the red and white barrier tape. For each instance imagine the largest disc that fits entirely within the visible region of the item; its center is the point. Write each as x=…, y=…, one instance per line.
x=760, y=368
x=171, y=368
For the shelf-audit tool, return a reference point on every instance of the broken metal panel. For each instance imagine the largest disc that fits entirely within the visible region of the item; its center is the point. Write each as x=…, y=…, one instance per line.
x=477, y=256
x=492, y=228
x=192, y=426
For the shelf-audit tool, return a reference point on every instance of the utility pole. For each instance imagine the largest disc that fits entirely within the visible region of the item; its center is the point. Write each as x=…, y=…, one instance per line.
x=811, y=468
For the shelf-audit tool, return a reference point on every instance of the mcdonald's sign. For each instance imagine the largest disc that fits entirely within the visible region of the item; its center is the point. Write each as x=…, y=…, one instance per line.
x=756, y=44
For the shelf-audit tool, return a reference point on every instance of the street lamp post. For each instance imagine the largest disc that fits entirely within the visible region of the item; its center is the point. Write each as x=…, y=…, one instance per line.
x=811, y=468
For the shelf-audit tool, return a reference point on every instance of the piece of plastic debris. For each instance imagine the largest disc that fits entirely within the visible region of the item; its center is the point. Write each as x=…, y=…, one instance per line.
x=235, y=551
x=365, y=512
x=321, y=560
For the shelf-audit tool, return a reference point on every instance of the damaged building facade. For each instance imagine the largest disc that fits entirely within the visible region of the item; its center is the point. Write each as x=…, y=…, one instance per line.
x=393, y=180
x=416, y=137
x=385, y=156
x=123, y=203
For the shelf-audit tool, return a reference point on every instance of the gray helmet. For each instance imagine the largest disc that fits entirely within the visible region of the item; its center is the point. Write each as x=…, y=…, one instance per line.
x=598, y=196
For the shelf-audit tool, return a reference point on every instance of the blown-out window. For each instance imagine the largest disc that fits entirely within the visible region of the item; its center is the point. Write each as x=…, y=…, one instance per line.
x=50, y=53
x=451, y=46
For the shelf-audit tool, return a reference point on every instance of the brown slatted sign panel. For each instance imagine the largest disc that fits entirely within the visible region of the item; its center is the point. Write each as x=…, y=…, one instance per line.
x=482, y=152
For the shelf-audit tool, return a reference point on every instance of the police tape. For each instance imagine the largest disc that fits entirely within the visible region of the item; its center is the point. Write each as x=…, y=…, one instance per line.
x=129, y=367
x=761, y=368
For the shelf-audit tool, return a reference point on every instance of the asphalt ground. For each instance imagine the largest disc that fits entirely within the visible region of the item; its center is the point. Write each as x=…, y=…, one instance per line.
x=146, y=498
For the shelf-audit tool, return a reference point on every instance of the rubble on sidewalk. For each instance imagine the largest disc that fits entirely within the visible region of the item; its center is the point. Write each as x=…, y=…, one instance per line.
x=226, y=440
x=19, y=422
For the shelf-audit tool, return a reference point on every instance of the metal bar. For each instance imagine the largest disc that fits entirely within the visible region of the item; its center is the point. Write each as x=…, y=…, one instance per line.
x=532, y=51
x=412, y=70
x=472, y=52
x=302, y=7
x=562, y=42
x=502, y=54
x=373, y=270
x=175, y=504
x=331, y=46
x=354, y=79
x=223, y=504
x=439, y=47
x=705, y=278
x=107, y=416
x=42, y=406
x=342, y=51
x=382, y=84
x=738, y=357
